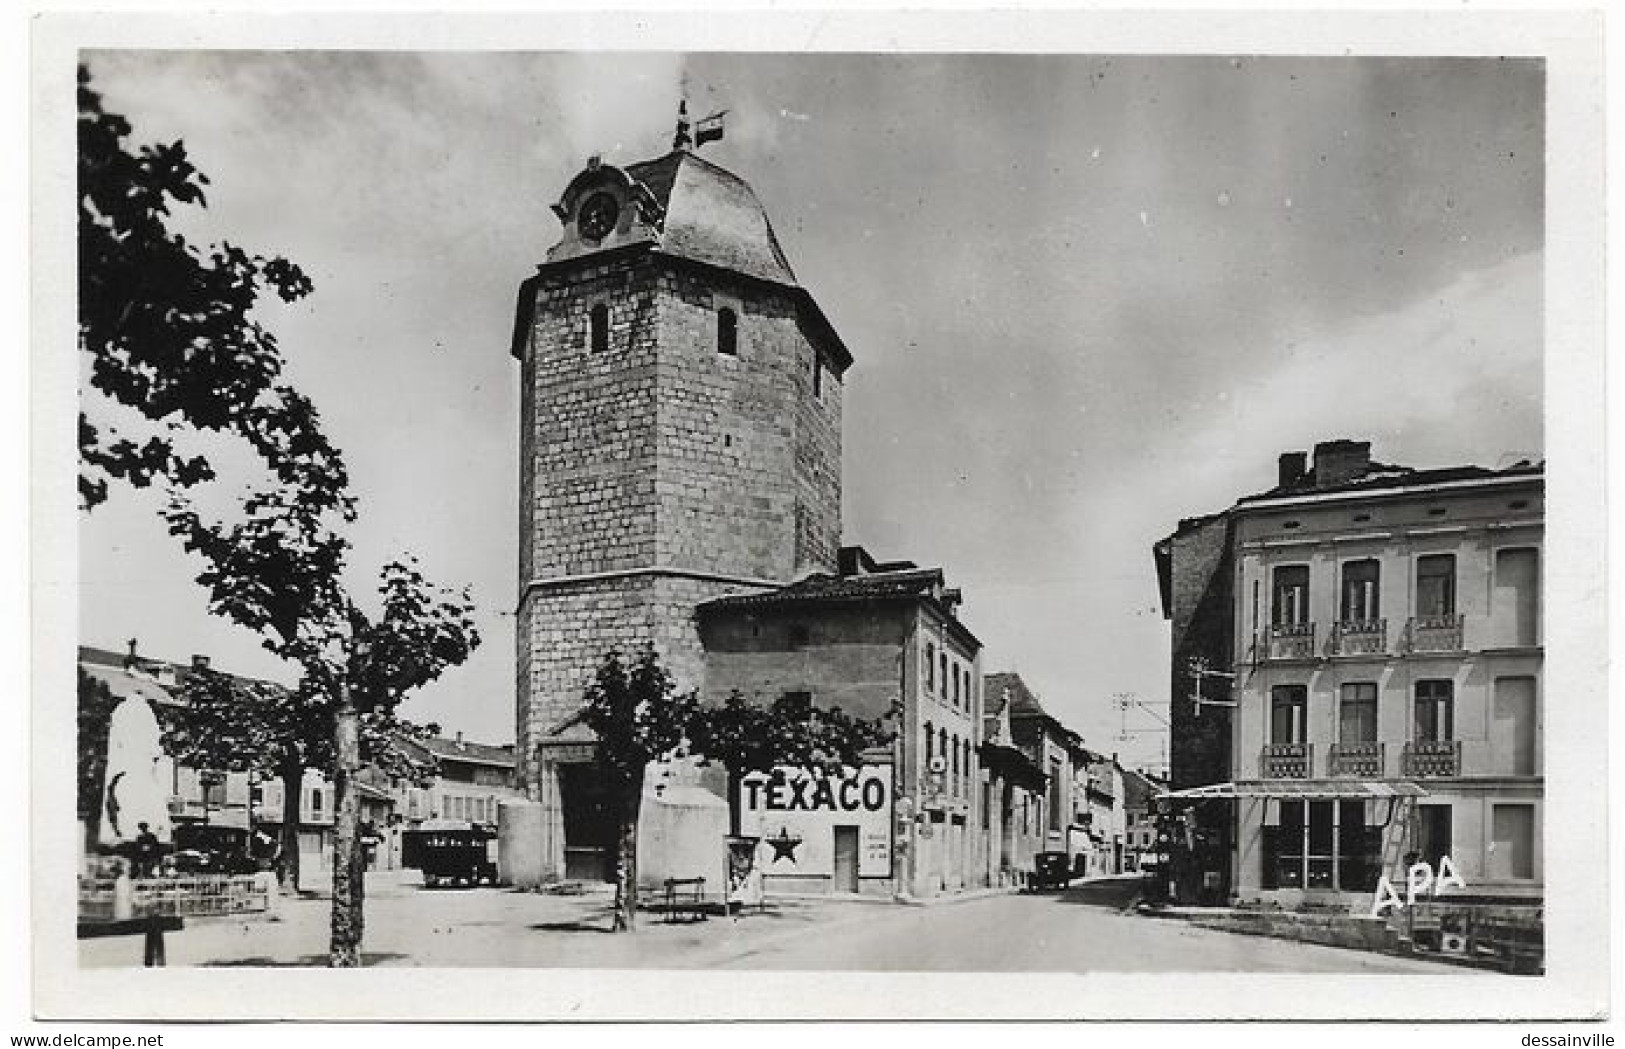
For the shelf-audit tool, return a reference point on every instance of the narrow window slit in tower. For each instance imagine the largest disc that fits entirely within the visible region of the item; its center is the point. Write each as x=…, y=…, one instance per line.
x=728, y=331
x=600, y=328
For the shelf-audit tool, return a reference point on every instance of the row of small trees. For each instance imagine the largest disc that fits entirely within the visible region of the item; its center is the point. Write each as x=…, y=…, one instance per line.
x=169, y=336
x=639, y=718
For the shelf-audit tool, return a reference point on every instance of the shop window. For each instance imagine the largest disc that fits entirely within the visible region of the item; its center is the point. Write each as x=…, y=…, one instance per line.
x=1290, y=601
x=1283, y=848
x=1436, y=586
x=1359, y=849
x=1431, y=839
x=1435, y=711
x=598, y=322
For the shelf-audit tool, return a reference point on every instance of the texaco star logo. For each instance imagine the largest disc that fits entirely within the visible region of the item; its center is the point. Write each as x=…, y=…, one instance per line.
x=784, y=846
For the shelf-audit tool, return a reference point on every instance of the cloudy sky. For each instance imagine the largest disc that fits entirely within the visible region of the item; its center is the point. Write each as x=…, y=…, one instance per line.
x=1087, y=296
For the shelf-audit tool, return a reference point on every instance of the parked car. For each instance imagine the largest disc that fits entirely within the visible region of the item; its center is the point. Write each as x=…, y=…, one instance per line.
x=451, y=853
x=1051, y=870
x=206, y=848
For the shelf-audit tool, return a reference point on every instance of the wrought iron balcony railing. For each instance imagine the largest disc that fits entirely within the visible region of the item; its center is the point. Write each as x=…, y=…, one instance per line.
x=1286, y=760
x=1435, y=634
x=1289, y=641
x=1360, y=637
x=1356, y=759
x=1432, y=757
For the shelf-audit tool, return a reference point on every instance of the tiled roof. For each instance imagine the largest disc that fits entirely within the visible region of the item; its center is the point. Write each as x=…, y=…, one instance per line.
x=712, y=216
x=823, y=588
x=1022, y=701
x=148, y=678
x=477, y=753
x=1382, y=475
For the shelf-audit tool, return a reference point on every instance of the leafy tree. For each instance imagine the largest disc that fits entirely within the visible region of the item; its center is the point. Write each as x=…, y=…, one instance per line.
x=277, y=570
x=96, y=703
x=639, y=719
x=745, y=737
x=241, y=725
x=167, y=327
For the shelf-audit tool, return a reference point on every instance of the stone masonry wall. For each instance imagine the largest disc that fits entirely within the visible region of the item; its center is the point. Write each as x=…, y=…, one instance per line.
x=590, y=431
x=659, y=452
x=749, y=473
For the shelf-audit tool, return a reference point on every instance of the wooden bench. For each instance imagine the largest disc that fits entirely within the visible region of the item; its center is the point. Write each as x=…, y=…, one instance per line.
x=685, y=896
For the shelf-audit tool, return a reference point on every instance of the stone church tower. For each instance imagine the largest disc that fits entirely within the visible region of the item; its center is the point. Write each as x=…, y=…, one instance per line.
x=680, y=439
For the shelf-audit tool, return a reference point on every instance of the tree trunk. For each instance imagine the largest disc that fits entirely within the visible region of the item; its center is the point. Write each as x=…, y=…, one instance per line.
x=344, y=949
x=735, y=778
x=287, y=861
x=626, y=855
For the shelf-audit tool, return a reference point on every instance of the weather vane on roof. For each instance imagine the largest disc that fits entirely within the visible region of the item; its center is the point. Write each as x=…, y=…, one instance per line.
x=708, y=129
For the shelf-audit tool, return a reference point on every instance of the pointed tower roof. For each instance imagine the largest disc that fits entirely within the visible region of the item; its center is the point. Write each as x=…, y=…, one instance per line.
x=712, y=216
x=685, y=208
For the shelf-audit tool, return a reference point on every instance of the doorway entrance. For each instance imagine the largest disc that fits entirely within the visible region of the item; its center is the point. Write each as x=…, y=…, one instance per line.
x=846, y=859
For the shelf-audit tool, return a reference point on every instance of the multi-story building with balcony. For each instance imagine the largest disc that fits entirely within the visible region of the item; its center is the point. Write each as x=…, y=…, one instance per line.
x=1387, y=646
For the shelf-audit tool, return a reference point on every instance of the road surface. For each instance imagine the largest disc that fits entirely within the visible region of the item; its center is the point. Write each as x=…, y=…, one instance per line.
x=1078, y=931
x=1081, y=930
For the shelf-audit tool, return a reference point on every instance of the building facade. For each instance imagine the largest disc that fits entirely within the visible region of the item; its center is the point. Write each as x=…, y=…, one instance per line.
x=1387, y=645
x=1100, y=789
x=1139, y=827
x=879, y=641
x=471, y=778
x=1057, y=751
x=1013, y=789
x=680, y=440
x=1196, y=579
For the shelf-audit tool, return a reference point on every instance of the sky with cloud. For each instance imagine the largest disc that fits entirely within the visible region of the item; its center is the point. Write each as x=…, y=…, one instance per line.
x=1087, y=296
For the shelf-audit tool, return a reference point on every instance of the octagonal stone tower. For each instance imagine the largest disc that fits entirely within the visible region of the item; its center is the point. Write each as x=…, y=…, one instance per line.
x=680, y=439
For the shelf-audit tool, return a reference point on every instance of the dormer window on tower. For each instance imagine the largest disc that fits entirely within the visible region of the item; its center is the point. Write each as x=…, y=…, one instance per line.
x=728, y=331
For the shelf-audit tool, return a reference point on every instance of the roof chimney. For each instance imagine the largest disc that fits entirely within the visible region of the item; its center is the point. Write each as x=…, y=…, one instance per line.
x=1338, y=462
x=460, y=745
x=132, y=659
x=853, y=560
x=1290, y=468
x=200, y=662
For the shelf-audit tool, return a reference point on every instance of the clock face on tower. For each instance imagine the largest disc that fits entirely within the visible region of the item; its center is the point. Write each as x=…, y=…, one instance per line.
x=598, y=216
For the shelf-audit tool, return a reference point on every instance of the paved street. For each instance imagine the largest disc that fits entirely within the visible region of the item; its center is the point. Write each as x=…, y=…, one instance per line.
x=1081, y=930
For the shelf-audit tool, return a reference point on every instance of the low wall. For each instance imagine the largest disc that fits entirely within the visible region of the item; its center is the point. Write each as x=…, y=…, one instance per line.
x=1332, y=930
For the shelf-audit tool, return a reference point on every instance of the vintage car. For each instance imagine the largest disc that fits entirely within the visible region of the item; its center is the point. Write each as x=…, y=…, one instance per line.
x=1051, y=870
x=451, y=852
x=206, y=848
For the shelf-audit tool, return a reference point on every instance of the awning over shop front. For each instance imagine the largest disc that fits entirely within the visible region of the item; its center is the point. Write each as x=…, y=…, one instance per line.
x=1310, y=789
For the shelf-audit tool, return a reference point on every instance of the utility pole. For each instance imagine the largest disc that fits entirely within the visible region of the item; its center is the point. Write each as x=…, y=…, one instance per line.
x=1199, y=671
x=1127, y=700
